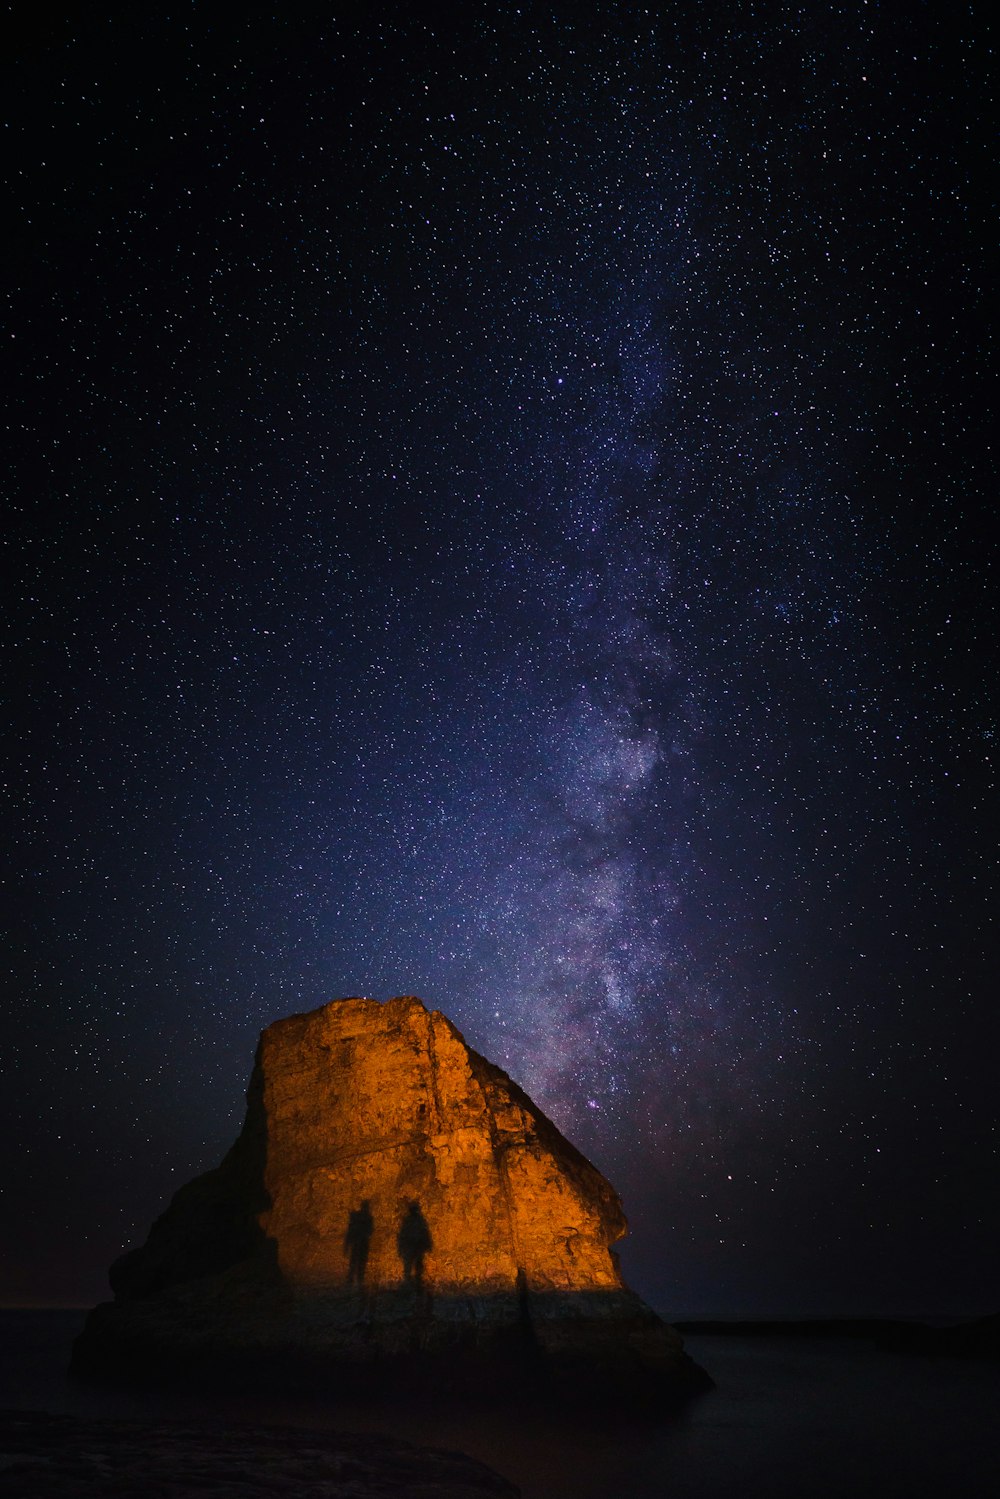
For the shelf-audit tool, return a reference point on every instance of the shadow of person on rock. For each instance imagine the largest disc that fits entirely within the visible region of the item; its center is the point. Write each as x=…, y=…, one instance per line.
x=357, y=1242
x=413, y=1241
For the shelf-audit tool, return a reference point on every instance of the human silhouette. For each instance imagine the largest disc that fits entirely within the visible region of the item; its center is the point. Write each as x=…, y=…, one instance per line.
x=413, y=1241
x=357, y=1242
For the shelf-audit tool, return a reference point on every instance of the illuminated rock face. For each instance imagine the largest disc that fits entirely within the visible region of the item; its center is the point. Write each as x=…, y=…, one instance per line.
x=392, y=1147
x=395, y=1208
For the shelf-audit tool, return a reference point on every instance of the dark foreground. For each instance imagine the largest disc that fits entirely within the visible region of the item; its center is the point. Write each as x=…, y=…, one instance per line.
x=55, y=1457
x=791, y=1417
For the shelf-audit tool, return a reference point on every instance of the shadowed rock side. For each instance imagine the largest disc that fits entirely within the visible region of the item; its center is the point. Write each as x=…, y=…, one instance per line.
x=394, y=1202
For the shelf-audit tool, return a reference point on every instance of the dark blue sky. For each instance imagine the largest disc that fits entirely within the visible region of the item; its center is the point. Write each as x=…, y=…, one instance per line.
x=499, y=514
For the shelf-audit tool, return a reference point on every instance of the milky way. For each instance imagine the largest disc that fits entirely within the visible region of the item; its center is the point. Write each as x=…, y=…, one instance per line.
x=497, y=507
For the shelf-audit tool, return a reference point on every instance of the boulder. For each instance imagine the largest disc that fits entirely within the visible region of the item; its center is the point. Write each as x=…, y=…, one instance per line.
x=394, y=1207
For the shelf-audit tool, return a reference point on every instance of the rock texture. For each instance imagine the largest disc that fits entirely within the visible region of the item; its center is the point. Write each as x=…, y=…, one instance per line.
x=393, y=1198
x=64, y=1457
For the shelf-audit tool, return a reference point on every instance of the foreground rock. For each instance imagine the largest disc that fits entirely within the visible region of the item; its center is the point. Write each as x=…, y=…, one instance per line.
x=394, y=1209
x=63, y=1457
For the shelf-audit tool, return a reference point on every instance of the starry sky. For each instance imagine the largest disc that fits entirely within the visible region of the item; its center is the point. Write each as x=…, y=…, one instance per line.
x=498, y=510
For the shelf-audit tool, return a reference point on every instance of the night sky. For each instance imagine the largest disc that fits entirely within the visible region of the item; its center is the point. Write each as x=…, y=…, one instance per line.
x=498, y=510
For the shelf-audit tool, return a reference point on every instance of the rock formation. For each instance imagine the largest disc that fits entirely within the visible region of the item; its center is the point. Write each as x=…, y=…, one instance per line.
x=393, y=1201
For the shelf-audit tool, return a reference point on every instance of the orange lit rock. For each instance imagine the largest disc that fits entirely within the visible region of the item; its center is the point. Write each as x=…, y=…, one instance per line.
x=386, y=1105
x=391, y=1194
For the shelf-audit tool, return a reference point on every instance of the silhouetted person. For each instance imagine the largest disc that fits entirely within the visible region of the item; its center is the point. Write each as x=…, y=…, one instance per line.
x=357, y=1242
x=413, y=1242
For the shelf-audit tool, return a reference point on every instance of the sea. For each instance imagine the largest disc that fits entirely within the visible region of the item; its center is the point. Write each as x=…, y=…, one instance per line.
x=790, y=1417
